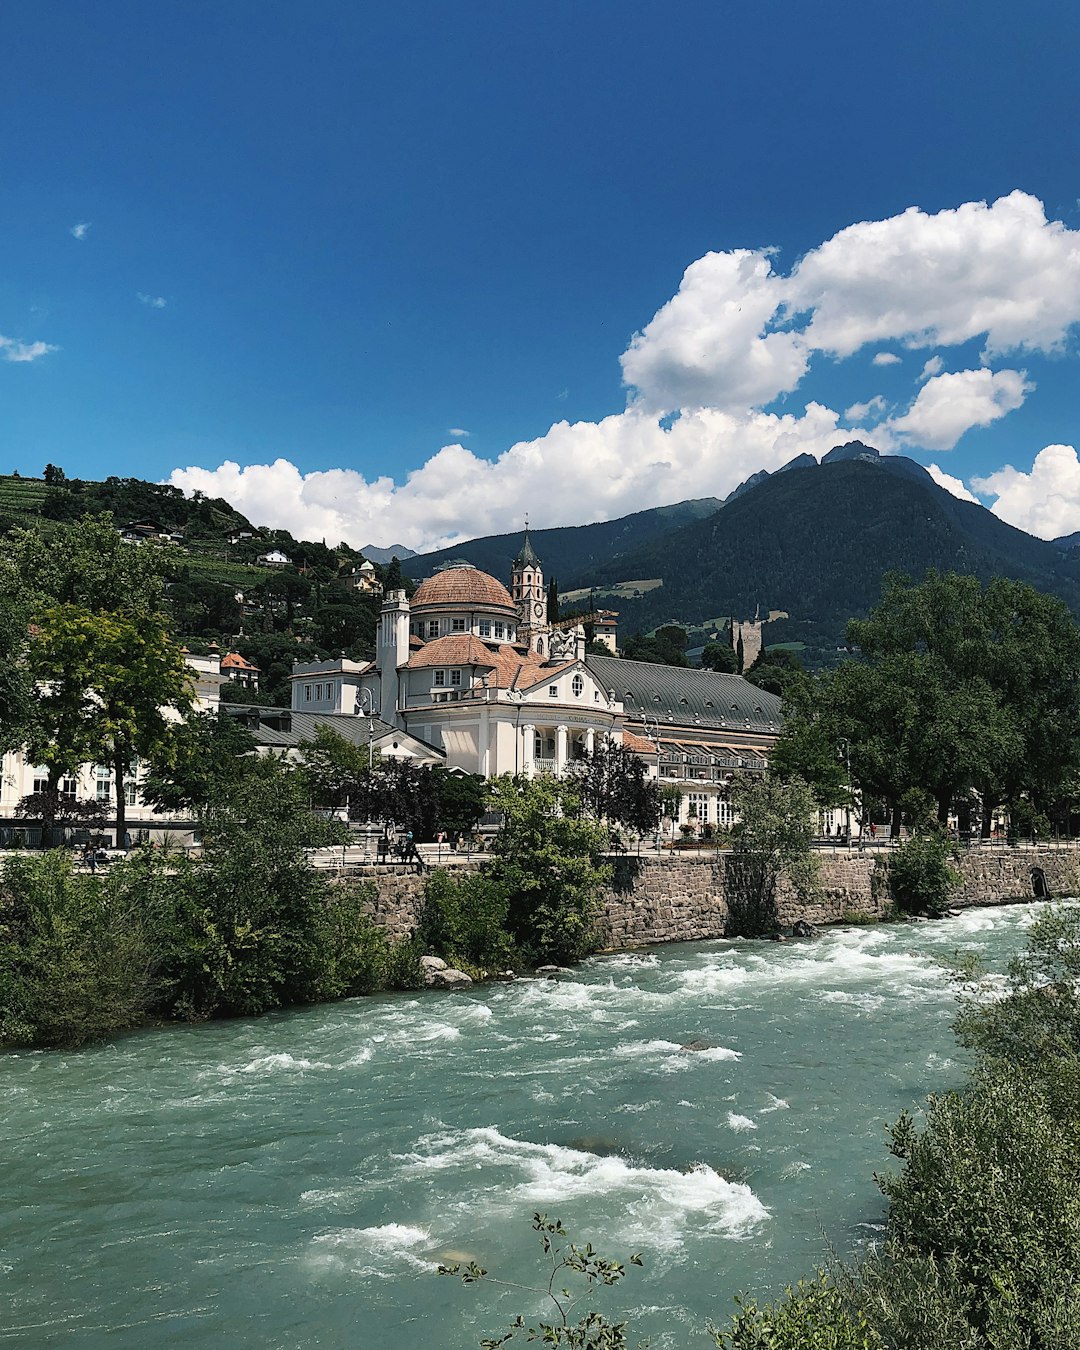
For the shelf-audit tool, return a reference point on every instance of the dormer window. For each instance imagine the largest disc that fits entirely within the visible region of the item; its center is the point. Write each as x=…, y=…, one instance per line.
x=500, y=630
x=484, y=627
x=455, y=677
x=457, y=625
x=433, y=628
x=440, y=677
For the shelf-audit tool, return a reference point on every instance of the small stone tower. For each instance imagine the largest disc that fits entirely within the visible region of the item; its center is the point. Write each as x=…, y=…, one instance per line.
x=530, y=598
x=750, y=632
x=391, y=651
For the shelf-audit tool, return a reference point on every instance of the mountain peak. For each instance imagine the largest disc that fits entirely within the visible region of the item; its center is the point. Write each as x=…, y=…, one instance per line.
x=851, y=450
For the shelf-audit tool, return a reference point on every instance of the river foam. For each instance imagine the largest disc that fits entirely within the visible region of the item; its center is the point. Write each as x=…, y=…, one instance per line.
x=658, y=1202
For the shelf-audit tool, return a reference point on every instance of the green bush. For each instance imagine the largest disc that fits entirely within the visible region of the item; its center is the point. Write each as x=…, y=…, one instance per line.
x=814, y=1315
x=992, y=1185
x=464, y=920
x=354, y=947
x=920, y=878
x=75, y=957
x=403, y=969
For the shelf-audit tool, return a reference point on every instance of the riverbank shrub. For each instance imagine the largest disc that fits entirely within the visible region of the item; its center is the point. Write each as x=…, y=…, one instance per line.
x=75, y=955
x=982, y=1236
x=548, y=861
x=464, y=920
x=920, y=876
x=773, y=837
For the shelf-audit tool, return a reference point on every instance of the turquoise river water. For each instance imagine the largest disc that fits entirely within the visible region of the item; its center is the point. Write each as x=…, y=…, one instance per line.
x=292, y=1181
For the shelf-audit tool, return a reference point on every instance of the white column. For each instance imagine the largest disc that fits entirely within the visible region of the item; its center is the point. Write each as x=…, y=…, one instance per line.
x=528, y=743
x=560, y=748
x=590, y=740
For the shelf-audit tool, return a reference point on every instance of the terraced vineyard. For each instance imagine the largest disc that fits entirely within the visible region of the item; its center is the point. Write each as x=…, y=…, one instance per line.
x=21, y=494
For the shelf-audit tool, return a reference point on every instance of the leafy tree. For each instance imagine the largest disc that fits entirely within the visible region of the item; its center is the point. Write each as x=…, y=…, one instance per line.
x=392, y=577
x=920, y=877
x=548, y=859
x=666, y=647
x=75, y=955
x=776, y=670
x=719, y=656
x=196, y=761
x=553, y=600
x=334, y=768
x=54, y=476
x=110, y=677
x=773, y=835
x=399, y=794
x=17, y=703
x=614, y=786
x=462, y=801
x=245, y=929
x=567, y=1259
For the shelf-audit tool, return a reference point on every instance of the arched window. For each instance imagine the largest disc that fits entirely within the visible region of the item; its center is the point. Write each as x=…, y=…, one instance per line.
x=539, y=646
x=577, y=685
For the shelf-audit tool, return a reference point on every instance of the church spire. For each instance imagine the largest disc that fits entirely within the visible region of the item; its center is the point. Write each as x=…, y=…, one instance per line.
x=530, y=597
x=527, y=554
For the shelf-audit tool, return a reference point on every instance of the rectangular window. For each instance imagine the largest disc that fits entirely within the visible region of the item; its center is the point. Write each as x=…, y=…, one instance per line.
x=455, y=677
x=697, y=807
x=440, y=677
x=457, y=625
x=307, y=693
x=500, y=630
x=485, y=627
x=131, y=792
x=553, y=691
x=433, y=628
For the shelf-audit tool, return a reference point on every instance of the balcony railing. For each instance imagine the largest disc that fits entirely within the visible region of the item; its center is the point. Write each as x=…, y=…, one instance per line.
x=541, y=765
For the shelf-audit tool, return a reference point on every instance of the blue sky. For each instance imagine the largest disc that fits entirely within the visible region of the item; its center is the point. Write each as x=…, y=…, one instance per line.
x=369, y=270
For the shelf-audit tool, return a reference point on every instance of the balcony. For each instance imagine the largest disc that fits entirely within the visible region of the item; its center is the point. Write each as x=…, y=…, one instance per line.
x=541, y=765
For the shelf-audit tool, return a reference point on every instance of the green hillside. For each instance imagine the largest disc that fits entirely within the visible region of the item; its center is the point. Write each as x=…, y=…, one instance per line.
x=816, y=541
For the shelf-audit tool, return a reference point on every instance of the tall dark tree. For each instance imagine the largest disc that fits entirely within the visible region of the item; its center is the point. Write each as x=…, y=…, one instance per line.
x=553, y=600
x=614, y=785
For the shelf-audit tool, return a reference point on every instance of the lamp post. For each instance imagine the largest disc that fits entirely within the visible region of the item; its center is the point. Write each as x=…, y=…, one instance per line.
x=366, y=708
x=656, y=741
x=845, y=750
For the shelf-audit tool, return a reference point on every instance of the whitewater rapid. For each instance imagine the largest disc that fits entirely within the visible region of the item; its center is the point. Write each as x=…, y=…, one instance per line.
x=296, y=1180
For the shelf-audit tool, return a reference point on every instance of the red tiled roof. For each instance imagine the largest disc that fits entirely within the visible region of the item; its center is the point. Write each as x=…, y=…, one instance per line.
x=466, y=586
x=456, y=649
x=234, y=661
x=638, y=744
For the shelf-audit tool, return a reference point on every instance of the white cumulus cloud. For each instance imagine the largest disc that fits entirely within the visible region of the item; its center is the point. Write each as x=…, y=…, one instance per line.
x=948, y=405
x=873, y=409
x=81, y=230
x=932, y=367
x=13, y=350
x=1046, y=501
x=739, y=335
x=153, y=301
x=459, y=432
x=951, y=484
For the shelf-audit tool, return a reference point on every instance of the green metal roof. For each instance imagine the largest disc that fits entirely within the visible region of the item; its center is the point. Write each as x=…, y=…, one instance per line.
x=283, y=728
x=676, y=696
x=527, y=556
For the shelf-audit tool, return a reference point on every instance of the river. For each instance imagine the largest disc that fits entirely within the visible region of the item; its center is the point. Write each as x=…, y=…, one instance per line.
x=292, y=1181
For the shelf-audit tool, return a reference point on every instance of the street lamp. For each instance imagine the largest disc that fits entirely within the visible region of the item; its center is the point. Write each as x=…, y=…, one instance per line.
x=656, y=741
x=845, y=749
x=366, y=708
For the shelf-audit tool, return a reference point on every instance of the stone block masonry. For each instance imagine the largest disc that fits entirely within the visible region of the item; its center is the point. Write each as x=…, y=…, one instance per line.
x=682, y=897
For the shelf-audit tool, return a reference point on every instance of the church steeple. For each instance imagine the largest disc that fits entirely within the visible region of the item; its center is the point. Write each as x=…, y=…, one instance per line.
x=530, y=597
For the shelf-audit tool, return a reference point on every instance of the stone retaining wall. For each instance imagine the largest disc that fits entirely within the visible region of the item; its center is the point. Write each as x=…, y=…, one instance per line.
x=682, y=898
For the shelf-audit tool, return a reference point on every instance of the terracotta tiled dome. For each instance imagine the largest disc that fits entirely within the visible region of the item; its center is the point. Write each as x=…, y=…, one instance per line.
x=466, y=587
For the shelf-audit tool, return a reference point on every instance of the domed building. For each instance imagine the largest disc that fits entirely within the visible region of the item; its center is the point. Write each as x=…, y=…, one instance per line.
x=476, y=671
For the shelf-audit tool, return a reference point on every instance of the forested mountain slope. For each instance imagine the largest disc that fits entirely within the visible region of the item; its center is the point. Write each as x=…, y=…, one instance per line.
x=573, y=552
x=815, y=542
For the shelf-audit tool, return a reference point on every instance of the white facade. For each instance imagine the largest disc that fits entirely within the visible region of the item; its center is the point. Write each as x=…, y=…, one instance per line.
x=20, y=777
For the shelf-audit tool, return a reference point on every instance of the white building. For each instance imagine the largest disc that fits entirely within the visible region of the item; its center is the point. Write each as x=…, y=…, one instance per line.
x=477, y=671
